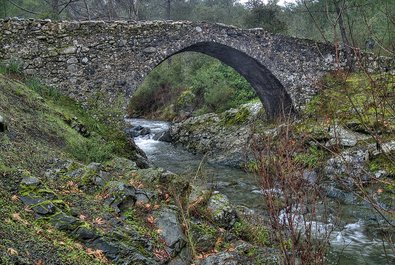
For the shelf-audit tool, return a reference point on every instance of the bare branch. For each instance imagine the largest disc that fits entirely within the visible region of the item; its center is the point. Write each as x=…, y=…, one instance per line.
x=22, y=8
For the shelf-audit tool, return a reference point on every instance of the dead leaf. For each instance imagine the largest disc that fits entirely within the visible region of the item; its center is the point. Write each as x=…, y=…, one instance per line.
x=17, y=217
x=151, y=220
x=99, y=221
x=161, y=254
x=14, y=198
x=12, y=252
x=83, y=217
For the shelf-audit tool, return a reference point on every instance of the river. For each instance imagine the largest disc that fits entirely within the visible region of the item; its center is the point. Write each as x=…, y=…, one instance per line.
x=350, y=241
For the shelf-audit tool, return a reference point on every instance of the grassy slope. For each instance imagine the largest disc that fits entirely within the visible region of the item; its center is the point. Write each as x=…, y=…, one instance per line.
x=39, y=129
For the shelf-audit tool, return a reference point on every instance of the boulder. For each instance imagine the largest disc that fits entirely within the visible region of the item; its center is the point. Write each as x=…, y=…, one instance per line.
x=163, y=137
x=137, y=131
x=223, y=138
x=343, y=137
x=170, y=230
x=221, y=210
x=349, y=166
x=121, y=196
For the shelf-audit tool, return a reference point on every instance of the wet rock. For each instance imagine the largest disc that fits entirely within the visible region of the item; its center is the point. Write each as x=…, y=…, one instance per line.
x=348, y=166
x=163, y=137
x=39, y=205
x=145, y=131
x=221, y=210
x=84, y=233
x=224, y=258
x=121, y=196
x=31, y=181
x=65, y=222
x=137, y=131
x=340, y=195
x=170, y=230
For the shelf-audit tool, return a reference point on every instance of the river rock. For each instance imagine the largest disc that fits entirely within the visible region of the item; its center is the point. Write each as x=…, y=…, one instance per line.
x=137, y=131
x=221, y=210
x=224, y=138
x=340, y=195
x=349, y=166
x=163, y=137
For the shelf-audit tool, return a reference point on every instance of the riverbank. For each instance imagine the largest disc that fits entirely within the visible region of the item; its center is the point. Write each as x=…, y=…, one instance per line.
x=346, y=147
x=352, y=224
x=76, y=191
x=81, y=190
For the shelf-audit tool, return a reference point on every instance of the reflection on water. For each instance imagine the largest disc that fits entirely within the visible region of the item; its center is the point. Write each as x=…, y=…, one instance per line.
x=351, y=243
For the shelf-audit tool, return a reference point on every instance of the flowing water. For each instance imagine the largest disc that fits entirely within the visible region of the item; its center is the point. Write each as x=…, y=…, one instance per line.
x=351, y=243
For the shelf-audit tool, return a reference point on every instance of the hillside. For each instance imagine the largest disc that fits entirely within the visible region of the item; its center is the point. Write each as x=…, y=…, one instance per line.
x=74, y=190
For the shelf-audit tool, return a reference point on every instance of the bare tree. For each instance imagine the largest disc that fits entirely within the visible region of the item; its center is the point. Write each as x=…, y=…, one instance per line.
x=340, y=9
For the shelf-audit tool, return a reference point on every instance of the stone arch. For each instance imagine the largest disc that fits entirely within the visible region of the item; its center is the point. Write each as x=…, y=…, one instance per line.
x=269, y=89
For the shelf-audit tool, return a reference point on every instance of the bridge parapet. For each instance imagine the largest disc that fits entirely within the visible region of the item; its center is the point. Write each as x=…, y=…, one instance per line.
x=84, y=58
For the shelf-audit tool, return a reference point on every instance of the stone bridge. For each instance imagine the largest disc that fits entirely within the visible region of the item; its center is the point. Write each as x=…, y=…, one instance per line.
x=91, y=58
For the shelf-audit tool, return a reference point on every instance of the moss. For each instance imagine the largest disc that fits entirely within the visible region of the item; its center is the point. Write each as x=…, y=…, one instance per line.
x=185, y=100
x=32, y=241
x=383, y=162
x=312, y=158
x=353, y=98
x=230, y=118
x=255, y=234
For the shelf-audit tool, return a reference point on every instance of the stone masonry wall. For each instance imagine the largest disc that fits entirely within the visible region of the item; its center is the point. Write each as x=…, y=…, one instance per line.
x=112, y=58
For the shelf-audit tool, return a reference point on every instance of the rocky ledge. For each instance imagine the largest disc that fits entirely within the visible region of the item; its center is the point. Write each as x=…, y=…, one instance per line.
x=224, y=138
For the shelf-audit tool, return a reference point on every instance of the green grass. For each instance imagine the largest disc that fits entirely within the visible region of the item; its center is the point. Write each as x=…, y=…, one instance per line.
x=24, y=241
x=367, y=100
x=42, y=117
x=14, y=66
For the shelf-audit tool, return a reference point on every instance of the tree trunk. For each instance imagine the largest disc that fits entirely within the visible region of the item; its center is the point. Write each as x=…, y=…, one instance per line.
x=347, y=47
x=168, y=9
x=88, y=12
x=55, y=9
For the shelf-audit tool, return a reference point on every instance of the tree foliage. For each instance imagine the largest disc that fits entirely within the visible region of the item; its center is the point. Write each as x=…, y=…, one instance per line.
x=212, y=85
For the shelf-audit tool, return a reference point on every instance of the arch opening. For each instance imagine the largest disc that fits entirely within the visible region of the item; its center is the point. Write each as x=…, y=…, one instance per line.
x=268, y=88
